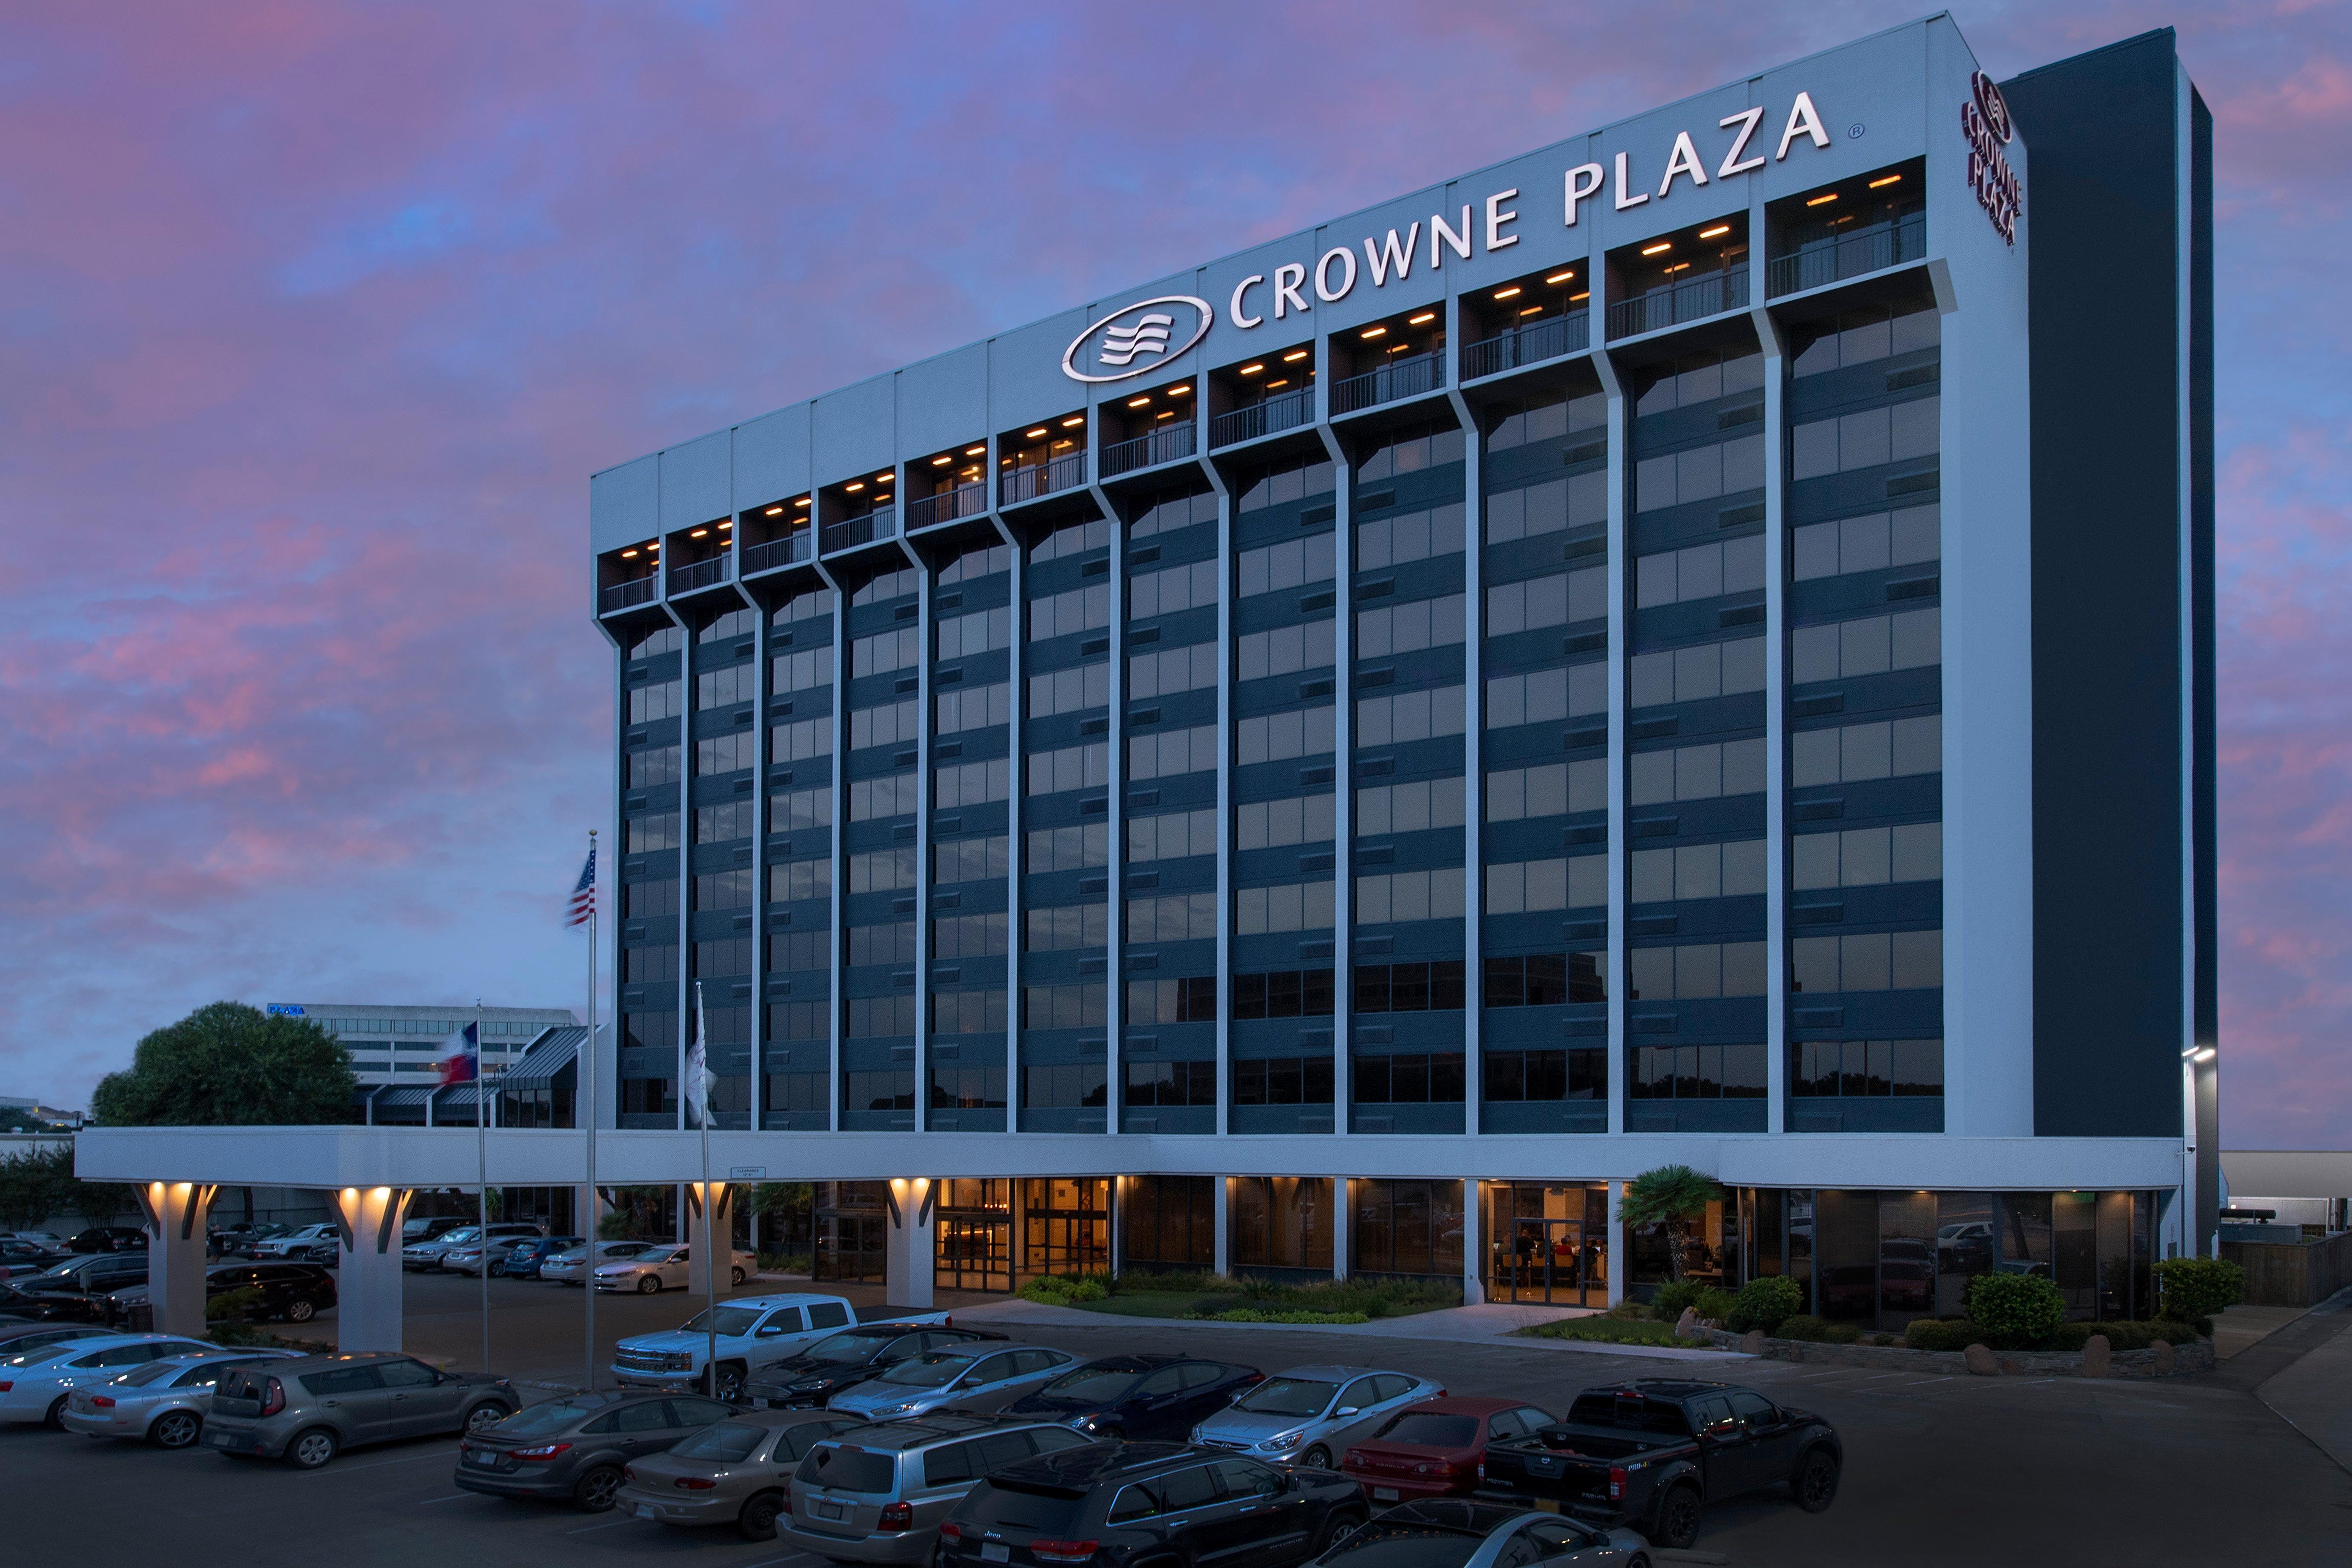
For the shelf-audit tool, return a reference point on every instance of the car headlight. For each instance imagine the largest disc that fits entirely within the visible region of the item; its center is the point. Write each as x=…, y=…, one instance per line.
x=1196, y=1435
x=898, y=1409
x=1283, y=1442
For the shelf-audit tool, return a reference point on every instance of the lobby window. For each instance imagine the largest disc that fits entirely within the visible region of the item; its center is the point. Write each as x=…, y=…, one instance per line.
x=1406, y=1227
x=1172, y=1221
x=1281, y=1222
x=1823, y=1068
x=1698, y=1072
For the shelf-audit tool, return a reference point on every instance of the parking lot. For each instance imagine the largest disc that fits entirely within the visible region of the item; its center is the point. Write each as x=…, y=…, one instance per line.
x=1940, y=1471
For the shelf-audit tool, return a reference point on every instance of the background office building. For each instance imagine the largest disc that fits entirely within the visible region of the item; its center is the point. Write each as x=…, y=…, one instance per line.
x=405, y=1045
x=1693, y=644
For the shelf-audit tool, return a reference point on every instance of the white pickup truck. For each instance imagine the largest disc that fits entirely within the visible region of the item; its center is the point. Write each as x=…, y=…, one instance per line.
x=751, y=1333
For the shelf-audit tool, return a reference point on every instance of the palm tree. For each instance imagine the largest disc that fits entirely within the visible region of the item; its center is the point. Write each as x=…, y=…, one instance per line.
x=1668, y=1195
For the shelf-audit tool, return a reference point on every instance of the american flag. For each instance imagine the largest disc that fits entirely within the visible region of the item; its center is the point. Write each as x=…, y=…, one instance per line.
x=583, y=893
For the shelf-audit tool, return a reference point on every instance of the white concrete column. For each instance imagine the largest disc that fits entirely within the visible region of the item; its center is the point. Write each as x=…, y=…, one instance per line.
x=1473, y=1244
x=1118, y=1222
x=1342, y=1218
x=367, y=1284
x=710, y=1236
x=907, y=1259
x=174, y=1214
x=1616, y=1244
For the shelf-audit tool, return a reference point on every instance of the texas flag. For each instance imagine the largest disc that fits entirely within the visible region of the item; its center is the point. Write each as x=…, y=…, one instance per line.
x=464, y=1062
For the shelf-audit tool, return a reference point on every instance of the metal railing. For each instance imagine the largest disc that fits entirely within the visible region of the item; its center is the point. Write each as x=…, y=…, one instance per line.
x=1163, y=444
x=636, y=591
x=1677, y=303
x=964, y=500
x=793, y=546
x=701, y=575
x=1287, y=412
x=879, y=523
x=1041, y=478
x=1408, y=375
x=1848, y=256
x=1546, y=339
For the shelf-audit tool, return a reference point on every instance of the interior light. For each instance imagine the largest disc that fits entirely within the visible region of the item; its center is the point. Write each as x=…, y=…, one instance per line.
x=942, y=462
x=802, y=501
x=976, y=451
x=1062, y=442
x=884, y=477
x=1817, y=201
x=1165, y=413
x=1426, y=316
x=698, y=534
x=1294, y=355
x=1033, y=434
x=1272, y=384
x=1250, y=369
x=1138, y=402
x=1884, y=180
x=1561, y=277
x=628, y=554
x=726, y=525
x=1510, y=293
x=1572, y=298
x=1663, y=246
x=774, y=511
x=1531, y=310
x=854, y=486
x=1369, y=333
x=1718, y=232
x=1180, y=390
x=1074, y=419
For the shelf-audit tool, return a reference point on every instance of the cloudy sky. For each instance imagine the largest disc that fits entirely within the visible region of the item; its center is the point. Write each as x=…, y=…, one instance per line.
x=314, y=318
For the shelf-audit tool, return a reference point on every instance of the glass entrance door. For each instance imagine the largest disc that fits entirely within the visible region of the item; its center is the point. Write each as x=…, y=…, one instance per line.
x=972, y=1247
x=1548, y=1245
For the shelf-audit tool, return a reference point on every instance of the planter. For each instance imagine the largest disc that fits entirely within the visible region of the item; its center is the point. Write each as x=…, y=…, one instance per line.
x=2197, y=1357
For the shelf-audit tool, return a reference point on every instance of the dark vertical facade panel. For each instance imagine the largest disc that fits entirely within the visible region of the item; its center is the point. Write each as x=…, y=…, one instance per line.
x=2109, y=903
x=2206, y=1016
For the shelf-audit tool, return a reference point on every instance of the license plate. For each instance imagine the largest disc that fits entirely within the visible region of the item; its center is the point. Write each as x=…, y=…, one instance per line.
x=759, y=1404
x=1385, y=1494
x=996, y=1552
x=828, y=1510
x=220, y=1439
x=645, y=1510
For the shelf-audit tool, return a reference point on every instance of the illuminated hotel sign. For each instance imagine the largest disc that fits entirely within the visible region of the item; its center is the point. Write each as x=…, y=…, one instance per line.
x=1985, y=122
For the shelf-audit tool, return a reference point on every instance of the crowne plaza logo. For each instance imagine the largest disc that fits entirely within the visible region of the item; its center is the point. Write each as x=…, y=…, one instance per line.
x=1137, y=338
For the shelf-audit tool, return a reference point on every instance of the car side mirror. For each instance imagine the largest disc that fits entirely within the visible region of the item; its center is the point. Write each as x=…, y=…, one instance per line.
x=1348, y=1410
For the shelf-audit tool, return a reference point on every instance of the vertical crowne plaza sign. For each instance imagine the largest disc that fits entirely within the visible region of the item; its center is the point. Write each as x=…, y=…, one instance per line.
x=1985, y=122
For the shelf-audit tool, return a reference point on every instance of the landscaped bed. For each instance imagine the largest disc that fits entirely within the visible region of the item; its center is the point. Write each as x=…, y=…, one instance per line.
x=1215, y=1297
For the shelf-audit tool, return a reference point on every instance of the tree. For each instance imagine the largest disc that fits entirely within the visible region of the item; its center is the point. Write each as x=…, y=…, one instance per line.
x=1668, y=1195
x=35, y=1185
x=228, y=1064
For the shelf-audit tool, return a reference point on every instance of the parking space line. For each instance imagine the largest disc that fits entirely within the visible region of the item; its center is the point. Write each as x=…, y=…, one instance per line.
x=380, y=1464
x=614, y=1524
x=453, y=1496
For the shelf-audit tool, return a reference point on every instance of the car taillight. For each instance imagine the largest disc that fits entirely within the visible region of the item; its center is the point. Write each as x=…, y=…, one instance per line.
x=274, y=1400
x=103, y=1401
x=1063, y=1551
x=5, y=1387
x=694, y=1484
x=543, y=1451
x=1616, y=1483
x=950, y=1531
x=896, y=1516
x=628, y=1472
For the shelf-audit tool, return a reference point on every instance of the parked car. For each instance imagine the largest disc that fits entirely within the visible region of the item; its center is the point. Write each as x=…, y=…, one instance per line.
x=90, y=1274
x=50, y=1239
x=747, y=1334
x=48, y=1306
x=969, y=1378
x=164, y=1402
x=849, y=1358
x=572, y=1449
x=1456, y=1534
x=533, y=1251
x=467, y=1259
x=19, y=1258
x=1122, y=1396
x=1113, y=1504
x=426, y=1255
x=1653, y=1454
x=308, y=1410
x=109, y=1238
x=733, y=1473
x=296, y=1292
x=23, y=1339
x=880, y=1494
x=35, y=1383
x=425, y=1228
x=1309, y=1414
x=663, y=1267
x=571, y=1266
x=1433, y=1448
x=240, y=1240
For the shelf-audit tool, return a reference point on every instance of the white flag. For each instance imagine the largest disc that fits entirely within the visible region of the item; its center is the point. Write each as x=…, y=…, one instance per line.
x=699, y=1079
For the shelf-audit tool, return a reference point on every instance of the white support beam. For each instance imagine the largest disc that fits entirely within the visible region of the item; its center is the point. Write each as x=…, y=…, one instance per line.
x=368, y=1283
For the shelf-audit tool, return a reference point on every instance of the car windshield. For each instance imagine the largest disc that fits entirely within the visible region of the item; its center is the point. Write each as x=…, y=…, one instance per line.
x=647, y=1254
x=1289, y=1396
x=730, y=1442
x=538, y=1420
x=615, y=1249
x=454, y=1237
x=847, y=1350
x=936, y=1370
x=1431, y=1429
x=47, y=1354
x=1092, y=1385
x=1400, y=1544
x=728, y=1320
x=155, y=1371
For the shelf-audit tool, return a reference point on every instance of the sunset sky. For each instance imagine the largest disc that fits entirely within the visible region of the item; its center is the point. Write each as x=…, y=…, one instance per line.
x=314, y=320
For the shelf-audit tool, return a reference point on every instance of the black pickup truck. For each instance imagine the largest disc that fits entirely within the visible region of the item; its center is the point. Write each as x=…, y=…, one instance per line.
x=1652, y=1454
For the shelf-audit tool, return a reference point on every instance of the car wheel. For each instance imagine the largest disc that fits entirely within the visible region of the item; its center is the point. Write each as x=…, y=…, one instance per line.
x=757, y=1519
x=735, y=1275
x=1336, y=1529
x=1678, y=1519
x=498, y=1271
x=484, y=1417
x=54, y=1418
x=311, y=1449
x=1319, y=1458
x=727, y=1384
x=175, y=1429
x=593, y=1493
x=650, y=1285
x=300, y=1310
x=1110, y=1434
x=1815, y=1484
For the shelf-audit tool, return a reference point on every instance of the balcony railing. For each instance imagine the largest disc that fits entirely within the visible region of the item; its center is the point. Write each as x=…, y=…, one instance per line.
x=1407, y=376
x=793, y=546
x=1163, y=444
x=701, y=575
x=1041, y=478
x=1287, y=412
x=636, y=591
x=880, y=523
x=1680, y=302
x=964, y=500
x=1848, y=256
x=1546, y=339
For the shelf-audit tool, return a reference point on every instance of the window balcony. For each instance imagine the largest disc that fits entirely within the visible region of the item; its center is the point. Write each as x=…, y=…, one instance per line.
x=880, y=523
x=1546, y=339
x=776, y=552
x=1163, y=445
x=963, y=500
x=1017, y=484
x=1692, y=299
x=701, y=575
x=1407, y=376
x=1840, y=257
x=636, y=591
x=1286, y=411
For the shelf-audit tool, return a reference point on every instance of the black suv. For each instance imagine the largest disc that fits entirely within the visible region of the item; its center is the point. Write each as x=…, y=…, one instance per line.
x=1116, y=1503
x=294, y=1291
x=852, y=1356
x=109, y=1238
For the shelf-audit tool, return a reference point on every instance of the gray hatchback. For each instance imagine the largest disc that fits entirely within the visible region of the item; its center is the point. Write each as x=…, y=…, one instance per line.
x=308, y=1411
x=877, y=1495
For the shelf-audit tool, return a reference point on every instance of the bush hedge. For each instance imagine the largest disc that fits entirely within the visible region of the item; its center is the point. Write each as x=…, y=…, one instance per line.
x=2192, y=1290
x=1765, y=1302
x=1294, y=1315
x=1055, y=1290
x=2015, y=1310
x=1713, y=1305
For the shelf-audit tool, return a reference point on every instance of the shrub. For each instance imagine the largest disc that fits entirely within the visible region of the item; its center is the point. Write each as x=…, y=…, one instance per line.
x=2072, y=1337
x=1629, y=1309
x=2190, y=1289
x=1053, y=1290
x=1765, y=1302
x=1941, y=1334
x=2015, y=1311
x=1806, y=1327
x=1294, y=1315
x=785, y=1263
x=1843, y=1334
x=1371, y=1297
x=1667, y=1305
x=1177, y=1281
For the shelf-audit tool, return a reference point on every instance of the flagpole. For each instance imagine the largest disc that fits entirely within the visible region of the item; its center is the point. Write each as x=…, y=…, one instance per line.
x=587, y=1079
x=482, y=1165
x=700, y=1065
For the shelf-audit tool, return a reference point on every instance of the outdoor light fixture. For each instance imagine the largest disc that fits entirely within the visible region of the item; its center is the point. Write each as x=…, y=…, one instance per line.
x=1510, y=293
x=1572, y=298
x=1532, y=310
x=942, y=462
x=724, y=526
x=1884, y=180
x=1033, y=434
x=1138, y=402
x=854, y=485
x=1180, y=390
x=1817, y=201
x=1417, y=320
x=1716, y=233
x=1271, y=386
x=1375, y=333
x=1074, y=419
x=698, y=533
x=1663, y=246
x=774, y=511
x=975, y=451
x=1561, y=277
x=802, y=501
x=627, y=554
x=1294, y=355
x=1250, y=369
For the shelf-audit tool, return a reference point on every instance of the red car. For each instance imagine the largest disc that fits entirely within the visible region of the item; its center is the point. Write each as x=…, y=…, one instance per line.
x=1434, y=1448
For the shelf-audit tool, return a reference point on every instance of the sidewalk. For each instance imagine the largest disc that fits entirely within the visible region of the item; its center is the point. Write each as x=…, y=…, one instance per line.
x=2314, y=1396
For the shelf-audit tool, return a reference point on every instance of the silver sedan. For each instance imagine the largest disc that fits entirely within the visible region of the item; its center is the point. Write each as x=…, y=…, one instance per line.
x=163, y=1403
x=1307, y=1415
x=664, y=1267
x=976, y=1378
x=1460, y=1534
